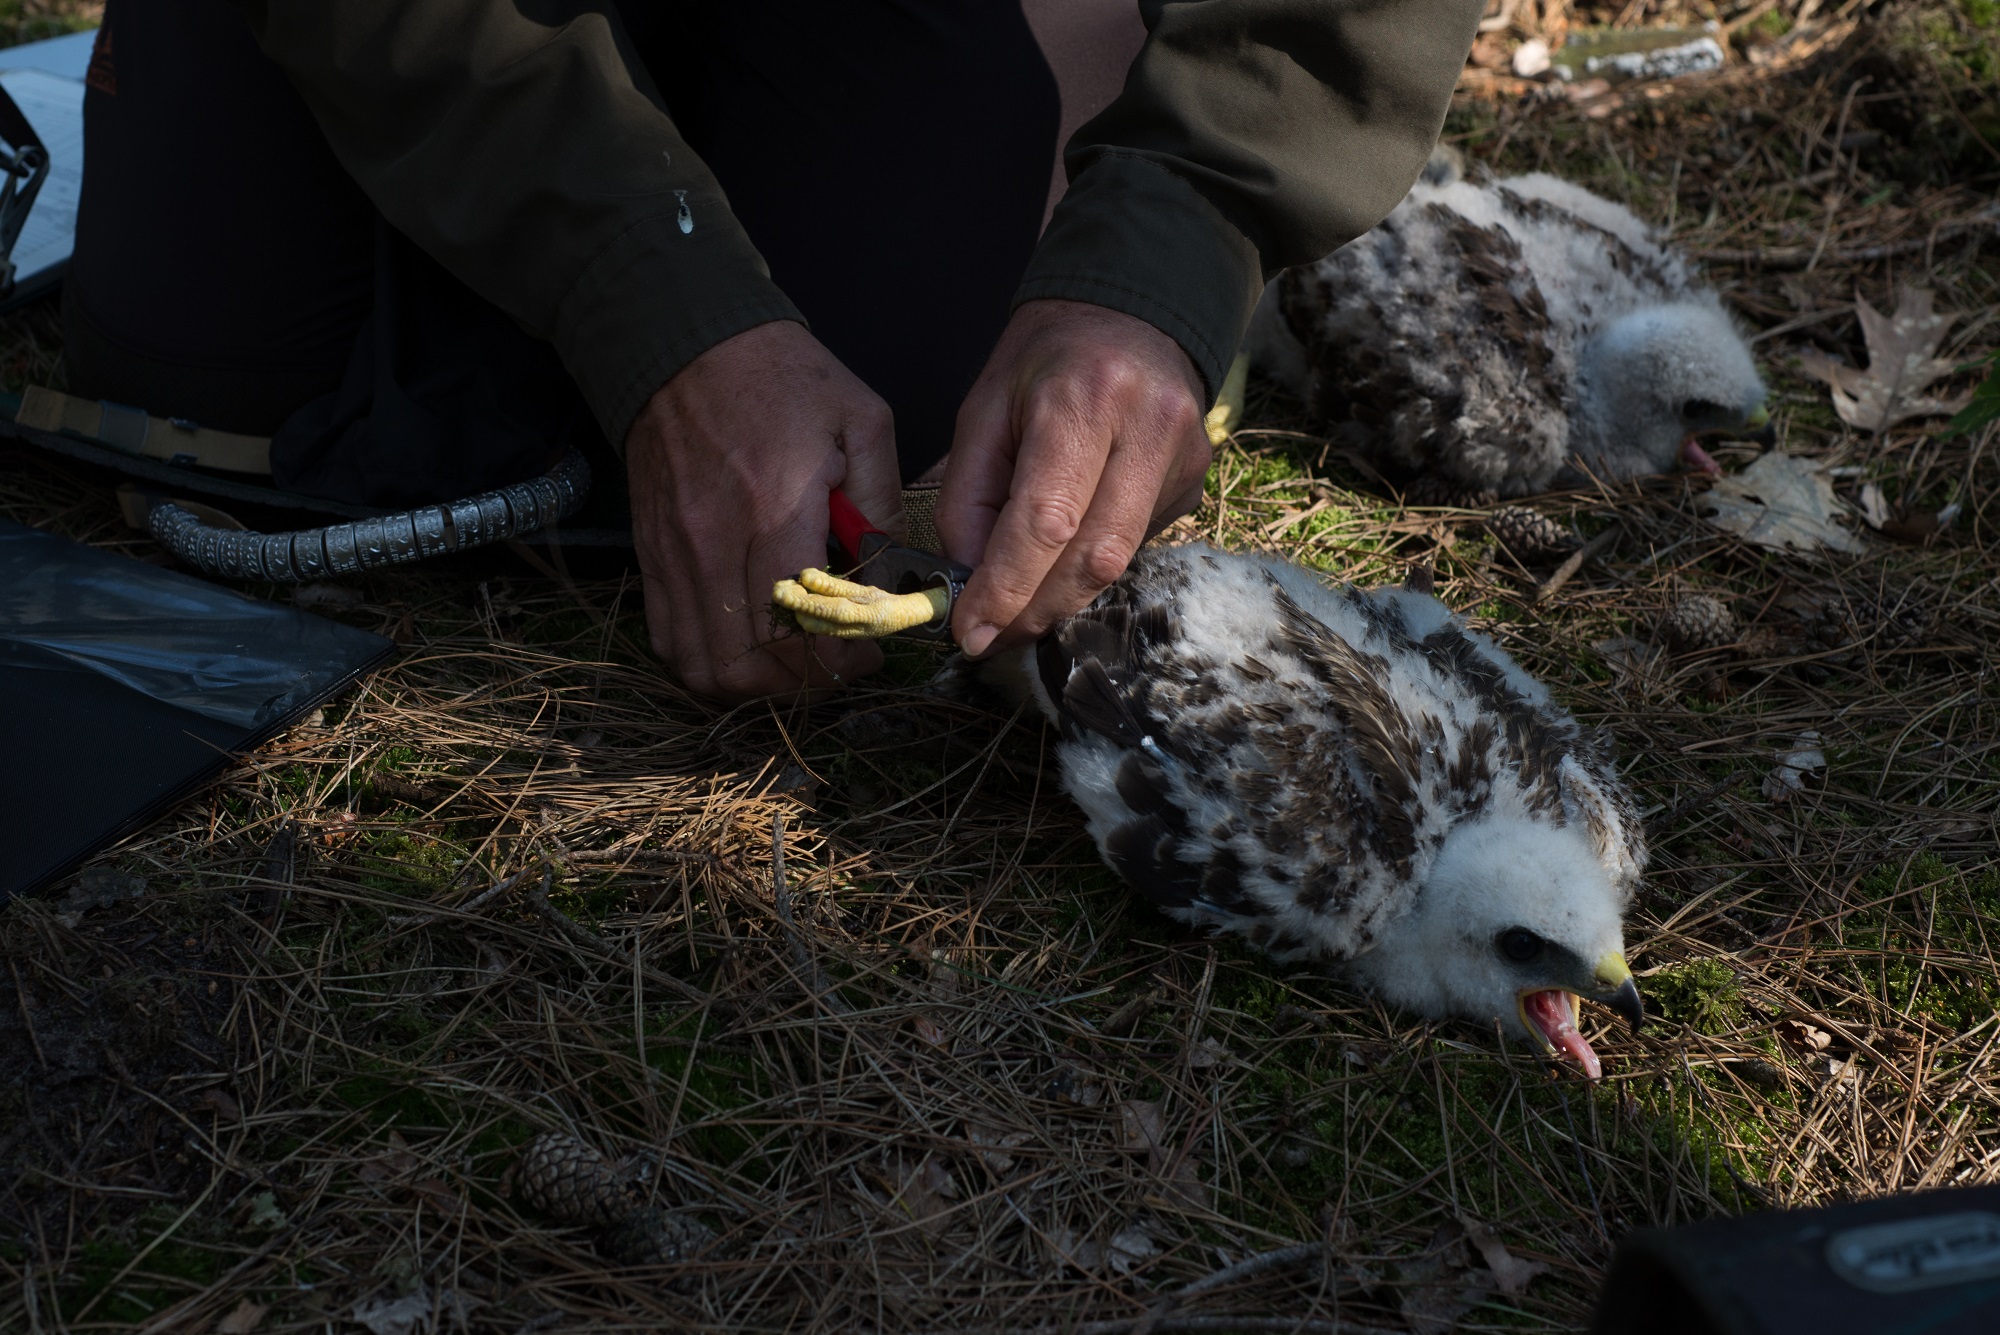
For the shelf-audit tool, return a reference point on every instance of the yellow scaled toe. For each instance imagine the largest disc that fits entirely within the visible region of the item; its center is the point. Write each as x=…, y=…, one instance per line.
x=828, y=605
x=1228, y=409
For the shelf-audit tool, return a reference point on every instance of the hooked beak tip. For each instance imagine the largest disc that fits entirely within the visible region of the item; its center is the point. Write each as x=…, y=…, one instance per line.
x=1625, y=999
x=1623, y=994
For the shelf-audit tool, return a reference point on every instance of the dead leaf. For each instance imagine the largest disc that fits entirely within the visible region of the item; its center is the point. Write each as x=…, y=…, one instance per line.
x=1902, y=364
x=1125, y=1021
x=1201, y=1056
x=1126, y=1249
x=398, y=1160
x=930, y=1032
x=1070, y=1084
x=219, y=1102
x=993, y=1145
x=101, y=887
x=1288, y=1016
x=394, y=1316
x=1794, y=762
x=1143, y=1130
x=265, y=1213
x=1780, y=501
x=1908, y=525
x=1628, y=656
x=1129, y=1246
x=1077, y=1250
x=1875, y=506
x=1363, y=1055
x=1438, y=1287
x=1186, y=1189
x=944, y=975
x=439, y=1194
x=1904, y=523
x=411, y=1313
x=1510, y=1272
x=246, y=1317
x=925, y=1190
x=1806, y=1037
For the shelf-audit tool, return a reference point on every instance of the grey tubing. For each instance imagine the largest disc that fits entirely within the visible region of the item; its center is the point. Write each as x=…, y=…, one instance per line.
x=364, y=544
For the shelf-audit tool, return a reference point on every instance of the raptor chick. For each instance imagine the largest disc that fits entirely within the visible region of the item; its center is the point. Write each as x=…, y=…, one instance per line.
x=1510, y=336
x=1350, y=777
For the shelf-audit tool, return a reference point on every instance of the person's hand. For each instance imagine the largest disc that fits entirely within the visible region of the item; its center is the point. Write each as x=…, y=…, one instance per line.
x=1082, y=436
x=730, y=465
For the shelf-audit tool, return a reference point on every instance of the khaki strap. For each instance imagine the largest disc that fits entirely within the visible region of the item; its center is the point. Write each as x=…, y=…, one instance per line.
x=170, y=440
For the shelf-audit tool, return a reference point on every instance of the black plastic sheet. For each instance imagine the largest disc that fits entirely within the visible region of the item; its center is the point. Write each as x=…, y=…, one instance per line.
x=124, y=686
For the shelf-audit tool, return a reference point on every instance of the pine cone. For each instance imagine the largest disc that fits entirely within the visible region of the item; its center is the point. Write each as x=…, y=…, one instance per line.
x=655, y=1236
x=1889, y=619
x=566, y=1179
x=1769, y=642
x=1529, y=534
x=1430, y=489
x=1698, y=621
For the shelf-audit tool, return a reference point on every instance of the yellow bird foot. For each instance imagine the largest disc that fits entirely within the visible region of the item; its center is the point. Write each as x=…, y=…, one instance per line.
x=829, y=605
x=1228, y=410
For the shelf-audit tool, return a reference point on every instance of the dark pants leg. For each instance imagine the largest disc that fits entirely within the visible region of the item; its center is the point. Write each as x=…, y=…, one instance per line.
x=223, y=259
x=229, y=272
x=888, y=157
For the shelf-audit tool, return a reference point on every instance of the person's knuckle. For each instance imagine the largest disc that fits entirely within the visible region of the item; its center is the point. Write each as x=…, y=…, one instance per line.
x=1051, y=520
x=742, y=677
x=696, y=676
x=1105, y=559
x=1115, y=376
x=1173, y=406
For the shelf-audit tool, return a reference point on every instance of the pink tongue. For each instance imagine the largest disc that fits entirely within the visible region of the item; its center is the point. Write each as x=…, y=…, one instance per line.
x=1551, y=1014
x=1697, y=458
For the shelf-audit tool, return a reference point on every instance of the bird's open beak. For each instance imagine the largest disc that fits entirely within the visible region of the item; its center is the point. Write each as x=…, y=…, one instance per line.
x=1550, y=1013
x=1698, y=459
x=1621, y=994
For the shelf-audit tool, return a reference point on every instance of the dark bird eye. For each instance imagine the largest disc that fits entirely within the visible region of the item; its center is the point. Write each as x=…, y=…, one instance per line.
x=1519, y=944
x=1701, y=410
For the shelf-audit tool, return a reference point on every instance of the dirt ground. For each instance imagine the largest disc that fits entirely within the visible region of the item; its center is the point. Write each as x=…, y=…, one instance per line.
x=278, y=1055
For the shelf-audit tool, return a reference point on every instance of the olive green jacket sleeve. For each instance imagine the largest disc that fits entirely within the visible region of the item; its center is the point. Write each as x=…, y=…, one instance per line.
x=513, y=142
x=1251, y=135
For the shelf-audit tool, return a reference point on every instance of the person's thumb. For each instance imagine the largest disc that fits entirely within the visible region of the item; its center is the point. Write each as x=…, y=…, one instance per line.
x=874, y=482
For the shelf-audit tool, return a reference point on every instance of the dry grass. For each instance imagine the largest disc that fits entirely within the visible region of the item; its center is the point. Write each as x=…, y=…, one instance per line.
x=972, y=1085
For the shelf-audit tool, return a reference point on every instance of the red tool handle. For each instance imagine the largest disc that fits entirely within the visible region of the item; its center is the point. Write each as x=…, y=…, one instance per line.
x=848, y=524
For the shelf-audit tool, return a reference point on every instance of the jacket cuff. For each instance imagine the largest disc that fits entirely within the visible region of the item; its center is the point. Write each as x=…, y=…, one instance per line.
x=655, y=299
x=1131, y=235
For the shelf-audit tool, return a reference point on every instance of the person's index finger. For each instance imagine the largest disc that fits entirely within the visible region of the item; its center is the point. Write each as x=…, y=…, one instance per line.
x=871, y=479
x=1060, y=461
x=1113, y=528
x=977, y=474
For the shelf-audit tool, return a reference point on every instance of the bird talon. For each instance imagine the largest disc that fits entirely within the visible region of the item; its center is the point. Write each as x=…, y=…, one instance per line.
x=825, y=604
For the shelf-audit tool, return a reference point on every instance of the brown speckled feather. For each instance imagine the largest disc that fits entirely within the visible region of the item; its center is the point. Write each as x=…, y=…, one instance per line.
x=1259, y=753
